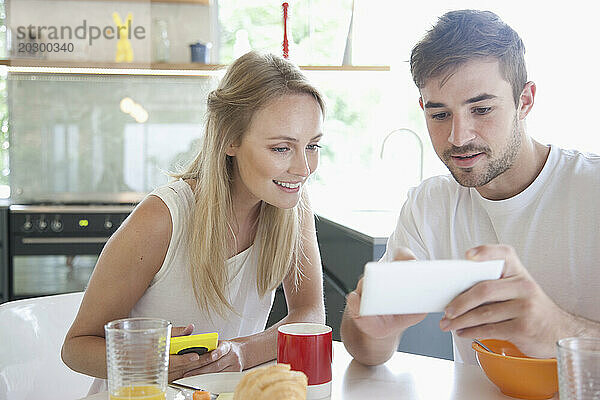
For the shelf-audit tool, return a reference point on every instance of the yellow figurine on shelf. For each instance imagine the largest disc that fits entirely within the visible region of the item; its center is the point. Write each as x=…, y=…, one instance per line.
x=124, y=50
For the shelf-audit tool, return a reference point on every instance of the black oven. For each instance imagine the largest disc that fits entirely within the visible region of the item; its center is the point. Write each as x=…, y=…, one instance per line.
x=53, y=248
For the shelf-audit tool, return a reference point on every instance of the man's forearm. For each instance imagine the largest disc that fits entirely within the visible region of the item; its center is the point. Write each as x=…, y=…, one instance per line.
x=365, y=349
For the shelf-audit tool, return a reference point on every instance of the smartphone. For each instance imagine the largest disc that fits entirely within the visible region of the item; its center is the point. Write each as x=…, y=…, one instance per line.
x=199, y=344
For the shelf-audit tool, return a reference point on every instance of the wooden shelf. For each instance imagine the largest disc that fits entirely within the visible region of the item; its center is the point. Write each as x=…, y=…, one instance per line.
x=36, y=66
x=73, y=66
x=203, y=2
x=27, y=62
x=177, y=69
x=345, y=67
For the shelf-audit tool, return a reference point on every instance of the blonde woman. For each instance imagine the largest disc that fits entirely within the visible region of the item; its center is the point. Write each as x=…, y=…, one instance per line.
x=208, y=250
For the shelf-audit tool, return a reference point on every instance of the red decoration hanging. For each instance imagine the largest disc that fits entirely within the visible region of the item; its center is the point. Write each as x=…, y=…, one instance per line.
x=286, y=50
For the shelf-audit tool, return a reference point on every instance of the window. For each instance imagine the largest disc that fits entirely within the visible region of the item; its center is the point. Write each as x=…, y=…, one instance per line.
x=560, y=56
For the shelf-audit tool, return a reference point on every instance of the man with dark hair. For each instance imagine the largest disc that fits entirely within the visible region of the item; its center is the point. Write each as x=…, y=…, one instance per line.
x=508, y=197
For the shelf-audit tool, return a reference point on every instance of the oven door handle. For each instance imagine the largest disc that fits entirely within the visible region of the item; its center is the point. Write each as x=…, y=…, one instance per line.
x=65, y=240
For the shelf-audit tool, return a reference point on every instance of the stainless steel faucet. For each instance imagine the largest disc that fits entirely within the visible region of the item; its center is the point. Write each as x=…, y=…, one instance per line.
x=419, y=142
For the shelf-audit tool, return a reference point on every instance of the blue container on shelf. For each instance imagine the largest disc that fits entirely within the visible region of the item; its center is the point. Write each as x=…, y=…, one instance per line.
x=200, y=52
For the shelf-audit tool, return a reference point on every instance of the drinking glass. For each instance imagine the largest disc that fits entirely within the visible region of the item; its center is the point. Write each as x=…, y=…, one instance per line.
x=137, y=358
x=579, y=368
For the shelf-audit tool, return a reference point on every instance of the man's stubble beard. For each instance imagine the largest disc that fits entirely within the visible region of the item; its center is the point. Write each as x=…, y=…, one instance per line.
x=496, y=166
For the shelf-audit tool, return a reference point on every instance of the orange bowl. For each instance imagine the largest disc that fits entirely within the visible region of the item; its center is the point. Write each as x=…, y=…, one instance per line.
x=515, y=374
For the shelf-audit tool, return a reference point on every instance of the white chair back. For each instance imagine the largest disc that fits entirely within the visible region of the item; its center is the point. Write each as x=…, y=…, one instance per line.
x=31, y=336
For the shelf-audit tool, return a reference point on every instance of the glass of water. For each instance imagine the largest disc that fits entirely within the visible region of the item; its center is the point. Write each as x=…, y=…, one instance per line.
x=579, y=368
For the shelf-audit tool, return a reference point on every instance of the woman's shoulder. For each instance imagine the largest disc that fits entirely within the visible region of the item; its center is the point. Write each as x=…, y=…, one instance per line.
x=181, y=186
x=153, y=216
x=176, y=195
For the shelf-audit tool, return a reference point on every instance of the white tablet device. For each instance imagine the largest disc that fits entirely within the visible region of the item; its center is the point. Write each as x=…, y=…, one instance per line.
x=409, y=287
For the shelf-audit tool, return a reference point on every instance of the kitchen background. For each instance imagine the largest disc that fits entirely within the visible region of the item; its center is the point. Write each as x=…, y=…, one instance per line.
x=82, y=138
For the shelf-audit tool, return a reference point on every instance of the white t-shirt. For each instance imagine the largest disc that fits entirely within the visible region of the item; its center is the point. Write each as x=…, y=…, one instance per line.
x=170, y=295
x=554, y=226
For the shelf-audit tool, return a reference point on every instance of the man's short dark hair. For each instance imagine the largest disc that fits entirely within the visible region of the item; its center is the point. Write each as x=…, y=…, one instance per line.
x=465, y=35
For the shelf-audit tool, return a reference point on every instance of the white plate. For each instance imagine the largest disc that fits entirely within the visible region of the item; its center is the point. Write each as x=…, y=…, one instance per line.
x=409, y=287
x=219, y=382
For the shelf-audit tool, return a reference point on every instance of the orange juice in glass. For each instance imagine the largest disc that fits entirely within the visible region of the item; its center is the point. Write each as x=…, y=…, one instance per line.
x=148, y=392
x=137, y=358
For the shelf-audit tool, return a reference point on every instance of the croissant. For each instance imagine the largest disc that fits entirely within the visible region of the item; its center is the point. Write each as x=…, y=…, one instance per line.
x=275, y=382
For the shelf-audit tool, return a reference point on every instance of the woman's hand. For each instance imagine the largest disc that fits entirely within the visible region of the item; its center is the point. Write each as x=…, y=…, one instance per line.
x=179, y=365
x=226, y=357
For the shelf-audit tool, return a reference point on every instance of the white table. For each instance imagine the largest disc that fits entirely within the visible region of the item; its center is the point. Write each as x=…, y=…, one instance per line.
x=404, y=376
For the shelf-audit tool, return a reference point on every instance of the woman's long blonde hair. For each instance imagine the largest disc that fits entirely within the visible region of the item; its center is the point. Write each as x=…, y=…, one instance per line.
x=249, y=84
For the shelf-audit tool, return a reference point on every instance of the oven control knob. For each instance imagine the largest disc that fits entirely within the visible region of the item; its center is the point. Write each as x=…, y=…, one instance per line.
x=27, y=225
x=56, y=225
x=108, y=224
x=42, y=224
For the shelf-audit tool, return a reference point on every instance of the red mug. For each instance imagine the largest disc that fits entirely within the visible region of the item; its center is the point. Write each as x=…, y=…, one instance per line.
x=307, y=348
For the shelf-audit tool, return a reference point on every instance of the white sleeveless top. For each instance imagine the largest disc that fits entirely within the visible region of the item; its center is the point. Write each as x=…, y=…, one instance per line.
x=170, y=295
